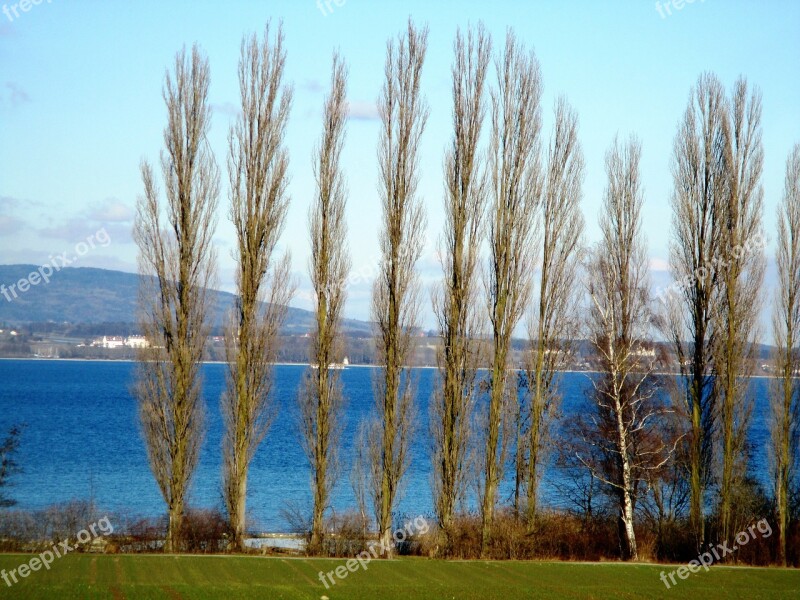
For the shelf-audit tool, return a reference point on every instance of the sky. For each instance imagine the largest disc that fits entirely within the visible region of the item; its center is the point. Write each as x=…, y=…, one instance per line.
x=81, y=107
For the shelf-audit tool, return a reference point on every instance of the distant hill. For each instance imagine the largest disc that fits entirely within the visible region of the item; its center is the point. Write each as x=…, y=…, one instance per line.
x=86, y=295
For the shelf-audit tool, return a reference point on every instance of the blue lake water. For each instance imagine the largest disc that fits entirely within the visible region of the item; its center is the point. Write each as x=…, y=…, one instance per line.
x=82, y=440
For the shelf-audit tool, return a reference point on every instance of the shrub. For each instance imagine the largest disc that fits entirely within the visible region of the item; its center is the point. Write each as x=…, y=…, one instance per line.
x=205, y=532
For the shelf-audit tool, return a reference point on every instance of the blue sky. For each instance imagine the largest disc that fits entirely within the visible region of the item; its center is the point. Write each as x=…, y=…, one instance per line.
x=80, y=104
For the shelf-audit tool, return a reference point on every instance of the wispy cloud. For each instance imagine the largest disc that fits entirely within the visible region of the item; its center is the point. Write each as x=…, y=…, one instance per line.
x=111, y=210
x=8, y=203
x=14, y=95
x=76, y=228
x=9, y=225
x=72, y=229
x=659, y=264
x=229, y=109
x=363, y=111
x=311, y=85
x=112, y=214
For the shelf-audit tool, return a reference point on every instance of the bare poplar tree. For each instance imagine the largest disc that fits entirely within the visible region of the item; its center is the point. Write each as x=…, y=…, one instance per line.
x=257, y=169
x=176, y=263
x=698, y=187
x=620, y=332
x=554, y=319
x=516, y=181
x=455, y=305
x=786, y=328
x=740, y=274
x=321, y=400
x=395, y=298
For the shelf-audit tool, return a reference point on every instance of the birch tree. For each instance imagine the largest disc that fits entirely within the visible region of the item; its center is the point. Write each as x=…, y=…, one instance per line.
x=177, y=265
x=620, y=332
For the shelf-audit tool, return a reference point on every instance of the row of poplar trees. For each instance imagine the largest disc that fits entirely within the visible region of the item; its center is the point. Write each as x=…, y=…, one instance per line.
x=521, y=198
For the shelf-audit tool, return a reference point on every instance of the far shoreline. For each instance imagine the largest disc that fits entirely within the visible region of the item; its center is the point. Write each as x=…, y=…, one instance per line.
x=296, y=364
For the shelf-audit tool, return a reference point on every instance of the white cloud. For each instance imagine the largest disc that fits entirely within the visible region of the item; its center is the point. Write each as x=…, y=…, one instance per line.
x=229, y=109
x=659, y=264
x=9, y=225
x=111, y=211
x=363, y=111
x=13, y=95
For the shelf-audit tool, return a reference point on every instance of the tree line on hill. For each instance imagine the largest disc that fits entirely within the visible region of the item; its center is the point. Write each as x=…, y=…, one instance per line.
x=677, y=452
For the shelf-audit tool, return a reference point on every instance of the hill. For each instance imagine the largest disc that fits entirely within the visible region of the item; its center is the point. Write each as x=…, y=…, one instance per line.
x=88, y=295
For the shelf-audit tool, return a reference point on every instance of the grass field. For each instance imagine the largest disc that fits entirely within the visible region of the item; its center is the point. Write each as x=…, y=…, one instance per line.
x=173, y=577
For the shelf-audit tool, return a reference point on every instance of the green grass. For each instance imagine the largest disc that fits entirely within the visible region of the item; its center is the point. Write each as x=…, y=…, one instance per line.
x=172, y=577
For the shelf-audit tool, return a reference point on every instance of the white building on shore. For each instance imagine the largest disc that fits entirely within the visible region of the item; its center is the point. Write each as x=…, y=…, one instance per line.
x=113, y=341
x=110, y=341
x=137, y=341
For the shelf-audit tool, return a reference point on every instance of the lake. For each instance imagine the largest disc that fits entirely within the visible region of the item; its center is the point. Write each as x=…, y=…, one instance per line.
x=82, y=440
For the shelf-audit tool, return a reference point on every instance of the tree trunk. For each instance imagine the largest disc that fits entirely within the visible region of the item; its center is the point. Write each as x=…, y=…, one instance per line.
x=172, y=544
x=238, y=516
x=626, y=508
x=696, y=520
